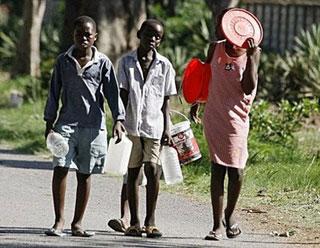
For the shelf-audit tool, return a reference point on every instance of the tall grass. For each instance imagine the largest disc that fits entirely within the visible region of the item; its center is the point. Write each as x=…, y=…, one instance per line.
x=23, y=128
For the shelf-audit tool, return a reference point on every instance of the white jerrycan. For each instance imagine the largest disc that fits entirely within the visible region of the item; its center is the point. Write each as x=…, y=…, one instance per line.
x=170, y=165
x=118, y=155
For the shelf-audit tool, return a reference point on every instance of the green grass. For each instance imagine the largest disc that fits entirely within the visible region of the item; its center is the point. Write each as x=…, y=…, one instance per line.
x=23, y=128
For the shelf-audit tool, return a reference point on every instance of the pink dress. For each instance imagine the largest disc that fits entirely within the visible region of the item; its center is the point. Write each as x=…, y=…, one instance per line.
x=226, y=114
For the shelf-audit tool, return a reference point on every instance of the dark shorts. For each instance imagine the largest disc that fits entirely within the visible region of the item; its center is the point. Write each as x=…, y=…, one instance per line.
x=87, y=149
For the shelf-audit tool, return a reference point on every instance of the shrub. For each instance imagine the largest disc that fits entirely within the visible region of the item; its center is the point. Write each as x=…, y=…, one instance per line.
x=295, y=75
x=279, y=123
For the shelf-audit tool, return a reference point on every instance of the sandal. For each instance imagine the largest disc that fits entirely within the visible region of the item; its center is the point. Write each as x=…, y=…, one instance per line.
x=55, y=232
x=213, y=236
x=133, y=231
x=117, y=225
x=233, y=231
x=82, y=233
x=153, y=232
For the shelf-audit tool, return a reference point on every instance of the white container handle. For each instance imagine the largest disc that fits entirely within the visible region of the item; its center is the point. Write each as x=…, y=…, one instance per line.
x=179, y=113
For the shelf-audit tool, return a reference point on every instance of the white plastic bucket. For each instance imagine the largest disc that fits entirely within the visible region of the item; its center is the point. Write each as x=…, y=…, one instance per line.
x=118, y=155
x=170, y=165
x=184, y=141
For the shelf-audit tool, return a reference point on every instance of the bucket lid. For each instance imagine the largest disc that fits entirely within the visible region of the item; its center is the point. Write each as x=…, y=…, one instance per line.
x=195, y=76
x=239, y=24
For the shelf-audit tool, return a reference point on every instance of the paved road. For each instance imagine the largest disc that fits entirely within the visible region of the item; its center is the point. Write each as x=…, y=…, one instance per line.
x=26, y=211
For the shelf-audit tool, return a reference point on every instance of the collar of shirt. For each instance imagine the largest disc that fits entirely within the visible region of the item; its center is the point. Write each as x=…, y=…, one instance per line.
x=157, y=59
x=80, y=69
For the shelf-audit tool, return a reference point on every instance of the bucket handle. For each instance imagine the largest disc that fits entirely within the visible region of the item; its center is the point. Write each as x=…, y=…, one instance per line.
x=177, y=112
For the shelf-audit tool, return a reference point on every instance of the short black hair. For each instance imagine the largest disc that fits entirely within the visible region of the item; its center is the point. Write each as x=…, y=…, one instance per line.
x=84, y=19
x=150, y=21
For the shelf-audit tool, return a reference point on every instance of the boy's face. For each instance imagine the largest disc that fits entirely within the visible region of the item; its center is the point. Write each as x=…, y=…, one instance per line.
x=84, y=36
x=151, y=35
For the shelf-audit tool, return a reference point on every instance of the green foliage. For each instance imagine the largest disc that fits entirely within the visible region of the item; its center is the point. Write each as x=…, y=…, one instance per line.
x=29, y=87
x=49, y=44
x=303, y=69
x=187, y=34
x=8, y=39
x=279, y=123
x=295, y=75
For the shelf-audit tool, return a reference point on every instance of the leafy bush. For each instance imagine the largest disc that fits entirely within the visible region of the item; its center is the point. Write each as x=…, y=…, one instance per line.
x=295, y=75
x=279, y=123
x=187, y=33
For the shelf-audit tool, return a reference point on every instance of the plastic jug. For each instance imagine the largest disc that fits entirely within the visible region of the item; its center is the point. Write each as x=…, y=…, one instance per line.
x=170, y=165
x=57, y=144
x=118, y=155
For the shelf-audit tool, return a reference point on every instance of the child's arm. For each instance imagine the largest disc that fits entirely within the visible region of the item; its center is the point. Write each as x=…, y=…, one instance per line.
x=195, y=107
x=210, y=52
x=112, y=92
x=52, y=104
x=166, y=136
x=250, y=75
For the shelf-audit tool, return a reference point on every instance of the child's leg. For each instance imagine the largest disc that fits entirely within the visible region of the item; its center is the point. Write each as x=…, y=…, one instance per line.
x=133, y=195
x=217, y=190
x=153, y=173
x=234, y=186
x=83, y=192
x=120, y=225
x=59, y=183
x=124, y=205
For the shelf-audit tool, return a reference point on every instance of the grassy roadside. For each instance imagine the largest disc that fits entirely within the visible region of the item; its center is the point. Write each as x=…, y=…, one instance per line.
x=283, y=181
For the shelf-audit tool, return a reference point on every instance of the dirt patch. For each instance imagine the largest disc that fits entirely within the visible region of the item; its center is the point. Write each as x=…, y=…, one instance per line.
x=295, y=224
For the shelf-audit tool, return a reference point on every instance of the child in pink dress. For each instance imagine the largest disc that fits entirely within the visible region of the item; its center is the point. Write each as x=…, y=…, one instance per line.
x=226, y=124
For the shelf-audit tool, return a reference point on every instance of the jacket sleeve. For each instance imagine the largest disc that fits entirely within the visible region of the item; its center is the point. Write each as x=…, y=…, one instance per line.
x=52, y=104
x=111, y=91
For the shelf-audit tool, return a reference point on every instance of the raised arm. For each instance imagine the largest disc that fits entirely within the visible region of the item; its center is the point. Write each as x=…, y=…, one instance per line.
x=250, y=74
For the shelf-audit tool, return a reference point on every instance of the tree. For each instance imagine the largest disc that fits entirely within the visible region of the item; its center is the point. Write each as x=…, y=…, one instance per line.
x=27, y=59
x=216, y=6
x=117, y=21
x=168, y=5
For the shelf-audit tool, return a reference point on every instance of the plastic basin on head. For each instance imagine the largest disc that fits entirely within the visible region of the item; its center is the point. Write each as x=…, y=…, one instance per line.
x=238, y=25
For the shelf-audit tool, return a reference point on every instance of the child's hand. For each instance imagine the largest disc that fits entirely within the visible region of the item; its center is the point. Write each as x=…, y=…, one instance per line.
x=49, y=126
x=166, y=138
x=194, y=113
x=253, y=50
x=118, y=130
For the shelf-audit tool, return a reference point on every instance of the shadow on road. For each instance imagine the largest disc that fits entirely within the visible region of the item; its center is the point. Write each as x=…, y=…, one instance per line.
x=22, y=164
x=23, y=235
x=15, y=159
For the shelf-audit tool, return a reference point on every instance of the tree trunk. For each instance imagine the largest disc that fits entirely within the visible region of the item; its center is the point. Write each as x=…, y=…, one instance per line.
x=27, y=59
x=216, y=6
x=117, y=22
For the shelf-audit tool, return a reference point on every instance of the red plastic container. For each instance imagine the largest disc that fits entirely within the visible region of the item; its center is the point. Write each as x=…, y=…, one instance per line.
x=195, y=81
